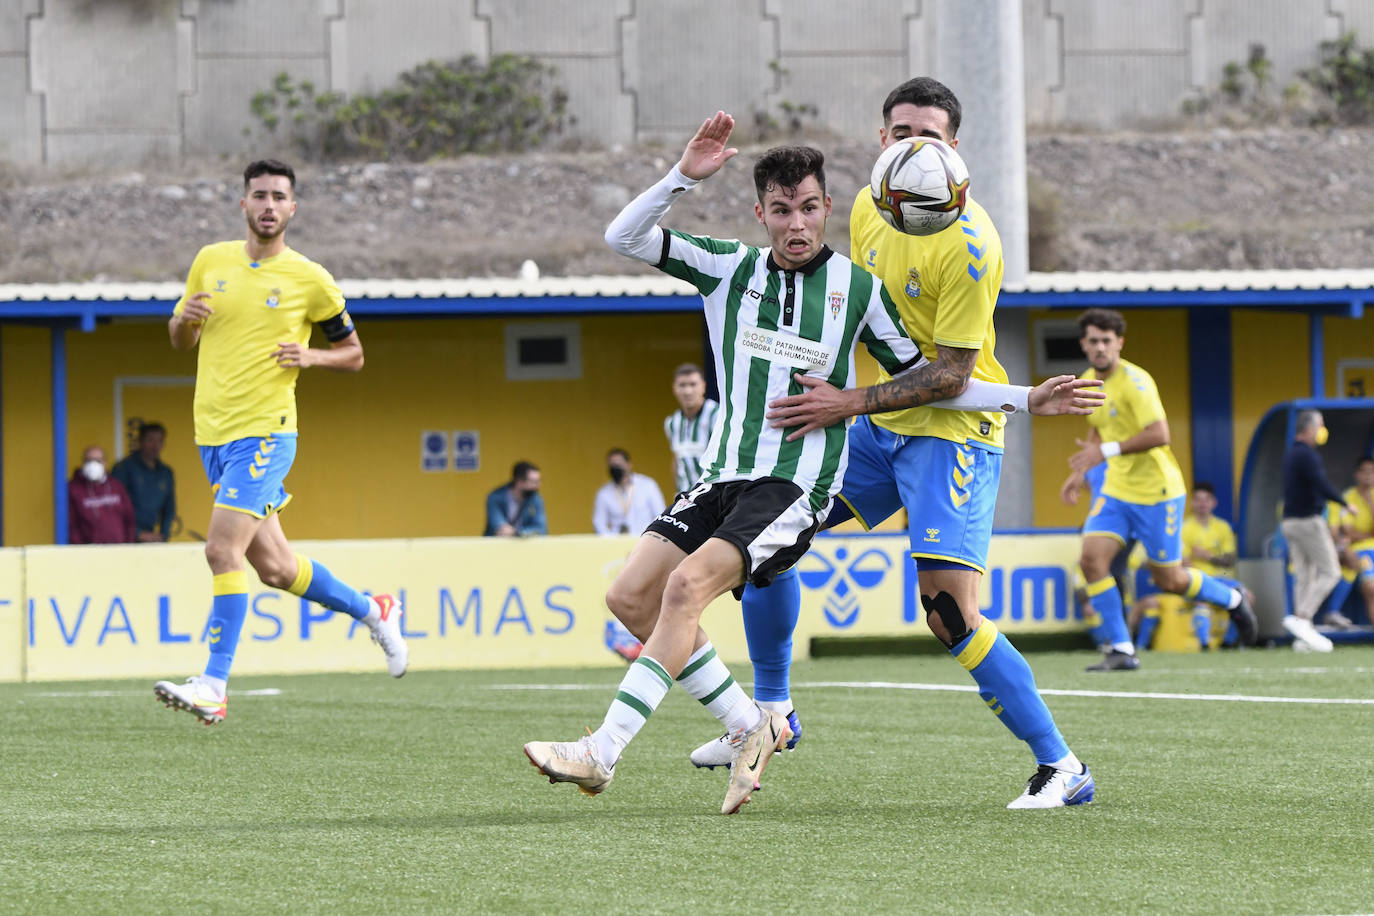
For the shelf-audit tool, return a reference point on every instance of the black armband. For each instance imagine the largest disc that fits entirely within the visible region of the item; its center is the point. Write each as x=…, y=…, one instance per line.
x=337, y=328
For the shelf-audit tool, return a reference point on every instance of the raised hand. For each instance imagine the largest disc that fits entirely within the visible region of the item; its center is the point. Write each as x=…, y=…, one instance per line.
x=706, y=152
x=1065, y=394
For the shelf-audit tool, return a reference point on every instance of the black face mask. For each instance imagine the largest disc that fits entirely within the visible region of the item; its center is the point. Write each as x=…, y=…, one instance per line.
x=617, y=473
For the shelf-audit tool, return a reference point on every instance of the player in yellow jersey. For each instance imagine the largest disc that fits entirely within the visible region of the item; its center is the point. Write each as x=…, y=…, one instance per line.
x=1142, y=496
x=250, y=306
x=943, y=469
x=1209, y=545
x=1356, y=528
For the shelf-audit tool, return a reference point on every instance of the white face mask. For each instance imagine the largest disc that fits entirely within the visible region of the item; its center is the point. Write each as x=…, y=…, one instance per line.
x=93, y=471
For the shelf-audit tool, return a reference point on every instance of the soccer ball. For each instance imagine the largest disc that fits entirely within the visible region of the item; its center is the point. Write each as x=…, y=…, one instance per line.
x=919, y=185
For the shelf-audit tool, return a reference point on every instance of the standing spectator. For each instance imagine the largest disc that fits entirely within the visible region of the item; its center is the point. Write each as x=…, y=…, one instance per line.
x=516, y=509
x=1311, y=550
x=689, y=427
x=629, y=502
x=99, y=510
x=150, y=483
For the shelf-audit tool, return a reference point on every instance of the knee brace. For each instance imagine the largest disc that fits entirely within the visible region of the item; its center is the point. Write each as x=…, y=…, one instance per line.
x=946, y=608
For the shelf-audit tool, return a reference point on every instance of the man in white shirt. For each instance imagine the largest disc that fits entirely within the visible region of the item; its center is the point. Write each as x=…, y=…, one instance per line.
x=629, y=502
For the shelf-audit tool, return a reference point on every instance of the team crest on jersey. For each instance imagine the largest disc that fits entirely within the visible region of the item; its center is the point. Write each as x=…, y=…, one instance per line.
x=219, y=286
x=872, y=260
x=275, y=299
x=913, y=283
x=836, y=303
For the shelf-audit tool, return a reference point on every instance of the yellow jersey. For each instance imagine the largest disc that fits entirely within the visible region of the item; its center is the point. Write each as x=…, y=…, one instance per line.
x=1147, y=477
x=241, y=392
x=945, y=287
x=1216, y=537
x=1360, y=520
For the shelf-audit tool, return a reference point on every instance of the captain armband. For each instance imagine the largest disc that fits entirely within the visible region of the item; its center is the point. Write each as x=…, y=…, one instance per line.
x=1110, y=449
x=337, y=328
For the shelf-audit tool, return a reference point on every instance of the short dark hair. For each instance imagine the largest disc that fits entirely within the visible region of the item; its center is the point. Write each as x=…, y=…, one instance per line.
x=1359, y=462
x=688, y=369
x=522, y=470
x=1106, y=319
x=924, y=92
x=153, y=427
x=618, y=451
x=1203, y=486
x=787, y=167
x=269, y=167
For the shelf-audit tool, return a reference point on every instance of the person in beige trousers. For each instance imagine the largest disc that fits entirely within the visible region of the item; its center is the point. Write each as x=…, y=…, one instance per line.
x=1311, y=551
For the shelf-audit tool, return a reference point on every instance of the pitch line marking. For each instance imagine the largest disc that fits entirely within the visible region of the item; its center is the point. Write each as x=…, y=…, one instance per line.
x=1117, y=694
x=68, y=694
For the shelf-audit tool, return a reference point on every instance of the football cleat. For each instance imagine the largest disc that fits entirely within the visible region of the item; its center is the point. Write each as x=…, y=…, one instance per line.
x=194, y=696
x=386, y=632
x=1305, y=636
x=719, y=753
x=572, y=761
x=1116, y=660
x=753, y=750
x=1247, y=625
x=621, y=641
x=1053, y=788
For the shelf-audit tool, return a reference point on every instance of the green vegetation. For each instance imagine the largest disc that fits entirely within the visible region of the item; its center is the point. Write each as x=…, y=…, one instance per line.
x=357, y=793
x=507, y=104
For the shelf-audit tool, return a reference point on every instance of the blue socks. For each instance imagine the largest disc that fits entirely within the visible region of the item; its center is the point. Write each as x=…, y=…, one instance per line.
x=314, y=582
x=227, y=612
x=1007, y=686
x=1106, y=600
x=770, y=616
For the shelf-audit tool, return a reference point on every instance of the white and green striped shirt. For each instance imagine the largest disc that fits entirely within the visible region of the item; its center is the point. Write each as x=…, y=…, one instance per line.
x=765, y=324
x=688, y=437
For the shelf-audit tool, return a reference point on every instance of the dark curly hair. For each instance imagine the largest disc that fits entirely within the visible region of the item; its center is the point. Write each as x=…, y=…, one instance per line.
x=787, y=167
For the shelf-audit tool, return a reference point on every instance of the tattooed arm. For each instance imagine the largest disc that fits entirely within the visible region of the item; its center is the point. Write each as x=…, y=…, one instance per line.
x=822, y=405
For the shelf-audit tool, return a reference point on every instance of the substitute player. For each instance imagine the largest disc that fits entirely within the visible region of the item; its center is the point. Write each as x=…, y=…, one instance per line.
x=250, y=306
x=1142, y=497
x=943, y=466
x=1356, y=528
x=794, y=309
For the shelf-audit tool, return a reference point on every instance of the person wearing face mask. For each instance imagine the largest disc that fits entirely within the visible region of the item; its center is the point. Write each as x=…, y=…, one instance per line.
x=99, y=509
x=516, y=509
x=629, y=502
x=1311, y=551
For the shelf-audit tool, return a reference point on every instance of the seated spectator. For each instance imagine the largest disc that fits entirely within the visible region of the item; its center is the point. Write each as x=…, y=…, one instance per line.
x=98, y=506
x=151, y=485
x=516, y=509
x=629, y=502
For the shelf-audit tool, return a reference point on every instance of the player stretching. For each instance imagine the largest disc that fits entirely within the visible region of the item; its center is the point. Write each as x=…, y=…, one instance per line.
x=943, y=466
x=1142, y=497
x=250, y=306
x=794, y=308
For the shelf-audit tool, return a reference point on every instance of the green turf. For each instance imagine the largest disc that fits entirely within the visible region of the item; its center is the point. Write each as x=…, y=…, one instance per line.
x=356, y=793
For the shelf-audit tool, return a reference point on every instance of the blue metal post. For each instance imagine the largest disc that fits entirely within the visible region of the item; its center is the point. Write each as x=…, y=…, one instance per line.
x=59, y=434
x=1209, y=371
x=1317, y=354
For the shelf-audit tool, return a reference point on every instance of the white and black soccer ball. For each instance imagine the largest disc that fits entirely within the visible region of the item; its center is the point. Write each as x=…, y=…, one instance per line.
x=919, y=185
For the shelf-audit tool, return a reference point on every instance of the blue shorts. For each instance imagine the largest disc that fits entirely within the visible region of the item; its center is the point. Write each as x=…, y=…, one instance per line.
x=1159, y=526
x=949, y=491
x=247, y=475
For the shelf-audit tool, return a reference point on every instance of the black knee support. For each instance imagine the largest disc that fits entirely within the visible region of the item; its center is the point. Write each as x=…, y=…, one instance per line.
x=946, y=608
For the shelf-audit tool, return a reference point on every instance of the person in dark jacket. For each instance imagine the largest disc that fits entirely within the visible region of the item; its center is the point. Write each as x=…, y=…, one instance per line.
x=151, y=484
x=516, y=509
x=99, y=510
x=1311, y=551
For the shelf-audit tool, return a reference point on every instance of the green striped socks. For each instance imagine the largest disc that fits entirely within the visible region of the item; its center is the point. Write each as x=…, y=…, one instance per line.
x=641, y=690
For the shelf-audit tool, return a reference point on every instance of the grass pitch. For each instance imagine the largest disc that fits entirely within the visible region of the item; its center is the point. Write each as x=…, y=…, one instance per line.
x=356, y=793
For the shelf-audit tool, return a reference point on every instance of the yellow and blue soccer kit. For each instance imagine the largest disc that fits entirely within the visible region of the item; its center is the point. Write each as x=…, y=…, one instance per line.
x=1143, y=496
x=245, y=407
x=1218, y=538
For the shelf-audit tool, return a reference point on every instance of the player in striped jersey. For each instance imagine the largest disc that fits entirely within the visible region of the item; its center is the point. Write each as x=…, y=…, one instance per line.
x=689, y=427
x=796, y=308
x=942, y=466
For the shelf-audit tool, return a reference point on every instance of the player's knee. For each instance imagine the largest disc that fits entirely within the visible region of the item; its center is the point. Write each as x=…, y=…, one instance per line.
x=944, y=610
x=1173, y=579
x=221, y=557
x=685, y=593
x=632, y=606
x=276, y=573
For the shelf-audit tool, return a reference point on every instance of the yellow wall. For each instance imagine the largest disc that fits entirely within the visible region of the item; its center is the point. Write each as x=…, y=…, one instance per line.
x=1156, y=340
x=1270, y=365
x=357, y=473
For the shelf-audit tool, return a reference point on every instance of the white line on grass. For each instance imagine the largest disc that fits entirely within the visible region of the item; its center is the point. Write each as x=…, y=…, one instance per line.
x=263, y=692
x=1119, y=694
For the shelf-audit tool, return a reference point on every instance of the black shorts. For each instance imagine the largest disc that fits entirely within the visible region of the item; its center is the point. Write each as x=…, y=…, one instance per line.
x=769, y=520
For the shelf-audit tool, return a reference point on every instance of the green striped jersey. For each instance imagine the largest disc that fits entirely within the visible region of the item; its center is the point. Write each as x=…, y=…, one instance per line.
x=688, y=438
x=766, y=324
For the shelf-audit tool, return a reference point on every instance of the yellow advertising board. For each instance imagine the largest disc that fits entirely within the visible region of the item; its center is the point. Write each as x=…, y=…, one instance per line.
x=11, y=614
x=142, y=610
